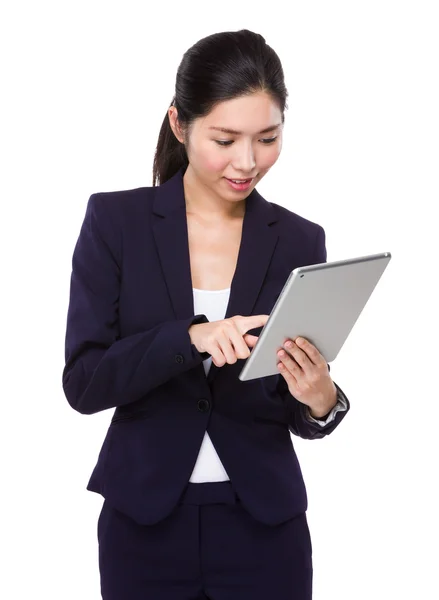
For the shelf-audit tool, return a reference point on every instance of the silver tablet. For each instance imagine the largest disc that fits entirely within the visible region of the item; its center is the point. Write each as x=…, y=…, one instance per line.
x=320, y=303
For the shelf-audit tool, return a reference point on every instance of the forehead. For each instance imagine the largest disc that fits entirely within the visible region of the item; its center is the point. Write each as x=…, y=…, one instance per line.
x=245, y=115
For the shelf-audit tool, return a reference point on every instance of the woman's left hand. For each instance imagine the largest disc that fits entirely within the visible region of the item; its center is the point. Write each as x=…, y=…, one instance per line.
x=307, y=375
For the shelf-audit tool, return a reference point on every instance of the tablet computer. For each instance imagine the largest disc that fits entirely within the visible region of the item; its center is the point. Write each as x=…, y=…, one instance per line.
x=320, y=303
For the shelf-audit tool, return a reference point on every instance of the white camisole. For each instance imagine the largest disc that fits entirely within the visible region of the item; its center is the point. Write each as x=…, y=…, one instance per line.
x=208, y=467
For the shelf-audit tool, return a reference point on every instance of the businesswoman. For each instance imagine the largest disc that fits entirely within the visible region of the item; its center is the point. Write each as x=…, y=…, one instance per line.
x=170, y=286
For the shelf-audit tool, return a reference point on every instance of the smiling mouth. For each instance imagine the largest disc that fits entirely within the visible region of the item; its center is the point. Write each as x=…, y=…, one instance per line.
x=240, y=180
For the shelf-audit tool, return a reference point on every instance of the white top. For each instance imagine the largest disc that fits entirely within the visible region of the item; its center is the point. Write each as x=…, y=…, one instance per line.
x=213, y=304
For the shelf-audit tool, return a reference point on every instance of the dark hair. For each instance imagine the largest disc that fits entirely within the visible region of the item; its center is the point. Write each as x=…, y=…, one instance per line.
x=218, y=67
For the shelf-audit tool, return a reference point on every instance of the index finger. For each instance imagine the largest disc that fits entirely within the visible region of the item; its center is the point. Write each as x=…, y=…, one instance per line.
x=254, y=321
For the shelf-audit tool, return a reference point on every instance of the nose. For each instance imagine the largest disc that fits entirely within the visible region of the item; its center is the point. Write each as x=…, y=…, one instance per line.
x=244, y=161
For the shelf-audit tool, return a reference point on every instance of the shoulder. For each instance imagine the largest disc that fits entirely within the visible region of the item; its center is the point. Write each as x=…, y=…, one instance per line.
x=116, y=212
x=113, y=215
x=289, y=220
x=301, y=240
x=121, y=201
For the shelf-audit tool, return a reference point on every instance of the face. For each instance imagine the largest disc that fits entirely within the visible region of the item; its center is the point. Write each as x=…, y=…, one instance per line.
x=215, y=156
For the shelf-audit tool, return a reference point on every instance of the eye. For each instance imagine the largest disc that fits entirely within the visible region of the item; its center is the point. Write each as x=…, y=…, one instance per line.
x=265, y=141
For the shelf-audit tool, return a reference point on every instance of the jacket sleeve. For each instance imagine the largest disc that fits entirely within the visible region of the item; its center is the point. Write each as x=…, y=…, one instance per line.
x=101, y=369
x=301, y=423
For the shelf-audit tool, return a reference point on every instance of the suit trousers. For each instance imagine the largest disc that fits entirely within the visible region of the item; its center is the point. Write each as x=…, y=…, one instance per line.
x=209, y=547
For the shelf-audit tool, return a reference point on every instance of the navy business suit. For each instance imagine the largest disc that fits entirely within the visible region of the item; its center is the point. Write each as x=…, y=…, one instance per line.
x=128, y=348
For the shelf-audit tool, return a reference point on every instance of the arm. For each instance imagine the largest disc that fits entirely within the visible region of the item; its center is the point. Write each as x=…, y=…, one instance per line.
x=302, y=423
x=102, y=370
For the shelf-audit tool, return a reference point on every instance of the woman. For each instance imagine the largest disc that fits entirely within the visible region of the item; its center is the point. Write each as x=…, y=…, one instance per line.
x=204, y=496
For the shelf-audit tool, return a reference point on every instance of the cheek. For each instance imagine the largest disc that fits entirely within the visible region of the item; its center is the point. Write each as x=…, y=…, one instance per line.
x=267, y=159
x=213, y=160
x=207, y=157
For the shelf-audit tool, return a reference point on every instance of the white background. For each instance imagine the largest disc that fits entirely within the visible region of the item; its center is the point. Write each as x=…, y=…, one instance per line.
x=85, y=88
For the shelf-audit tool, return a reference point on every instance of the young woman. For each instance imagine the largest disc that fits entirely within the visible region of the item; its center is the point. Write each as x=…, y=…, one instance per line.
x=203, y=493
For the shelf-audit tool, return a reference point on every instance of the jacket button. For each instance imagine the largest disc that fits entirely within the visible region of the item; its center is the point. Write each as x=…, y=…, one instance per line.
x=179, y=358
x=203, y=405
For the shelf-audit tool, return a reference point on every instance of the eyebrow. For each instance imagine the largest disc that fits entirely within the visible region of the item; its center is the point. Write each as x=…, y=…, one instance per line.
x=234, y=132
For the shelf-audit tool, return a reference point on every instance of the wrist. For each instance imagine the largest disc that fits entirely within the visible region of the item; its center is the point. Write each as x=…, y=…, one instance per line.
x=319, y=415
x=323, y=412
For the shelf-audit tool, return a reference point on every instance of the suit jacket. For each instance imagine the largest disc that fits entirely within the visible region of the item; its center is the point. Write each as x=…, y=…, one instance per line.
x=128, y=348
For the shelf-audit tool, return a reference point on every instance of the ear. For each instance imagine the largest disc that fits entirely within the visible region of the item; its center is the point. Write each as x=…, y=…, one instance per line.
x=175, y=126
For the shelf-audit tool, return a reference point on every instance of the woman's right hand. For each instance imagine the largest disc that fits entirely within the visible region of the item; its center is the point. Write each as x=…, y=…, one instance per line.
x=225, y=340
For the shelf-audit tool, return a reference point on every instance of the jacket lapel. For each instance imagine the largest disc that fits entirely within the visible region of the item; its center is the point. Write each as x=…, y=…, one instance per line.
x=171, y=236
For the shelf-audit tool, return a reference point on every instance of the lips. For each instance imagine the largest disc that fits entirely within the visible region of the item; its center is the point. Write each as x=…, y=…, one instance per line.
x=240, y=180
x=240, y=187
